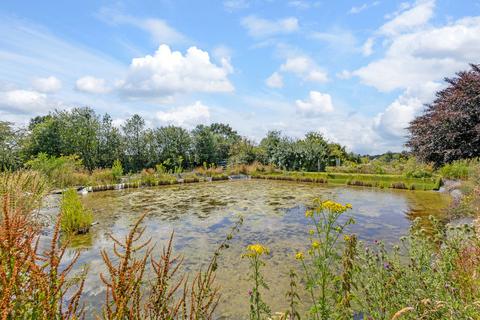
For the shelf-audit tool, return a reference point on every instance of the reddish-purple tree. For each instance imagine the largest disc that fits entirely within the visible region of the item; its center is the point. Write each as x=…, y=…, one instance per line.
x=449, y=128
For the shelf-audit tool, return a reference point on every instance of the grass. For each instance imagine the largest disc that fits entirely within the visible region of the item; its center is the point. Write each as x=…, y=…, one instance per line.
x=365, y=180
x=75, y=218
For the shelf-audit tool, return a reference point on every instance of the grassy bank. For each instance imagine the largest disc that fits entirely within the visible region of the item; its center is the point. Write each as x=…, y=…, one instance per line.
x=355, y=179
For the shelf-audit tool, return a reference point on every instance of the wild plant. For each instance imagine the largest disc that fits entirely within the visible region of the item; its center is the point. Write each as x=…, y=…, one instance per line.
x=117, y=170
x=293, y=298
x=323, y=260
x=162, y=301
x=258, y=308
x=33, y=285
x=124, y=281
x=75, y=218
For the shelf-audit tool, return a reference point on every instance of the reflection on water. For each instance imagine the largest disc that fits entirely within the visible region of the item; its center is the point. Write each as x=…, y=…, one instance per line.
x=201, y=215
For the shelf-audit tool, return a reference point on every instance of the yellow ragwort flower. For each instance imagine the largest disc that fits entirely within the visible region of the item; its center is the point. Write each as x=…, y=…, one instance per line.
x=309, y=213
x=315, y=244
x=335, y=207
x=311, y=232
x=299, y=256
x=257, y=250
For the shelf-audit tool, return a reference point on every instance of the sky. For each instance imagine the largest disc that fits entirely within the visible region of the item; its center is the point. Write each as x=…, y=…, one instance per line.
x=356, y=71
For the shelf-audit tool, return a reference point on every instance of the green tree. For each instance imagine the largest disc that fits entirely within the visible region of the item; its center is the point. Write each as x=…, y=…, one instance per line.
x=135, y=144
x=174, y=146
x=110, y=146
x=204, y=145
x=11, y=141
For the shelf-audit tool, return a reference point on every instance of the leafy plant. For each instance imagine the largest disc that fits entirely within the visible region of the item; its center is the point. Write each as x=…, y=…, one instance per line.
x=117, y=170
x=75, y=218
x=258, y=308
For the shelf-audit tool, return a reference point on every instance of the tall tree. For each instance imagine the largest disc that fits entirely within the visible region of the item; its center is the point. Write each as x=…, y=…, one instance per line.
x=135, y=144
x=204, y=145
x=110, y=146
x=174, y=146
x=11, y=141
x=449, y=128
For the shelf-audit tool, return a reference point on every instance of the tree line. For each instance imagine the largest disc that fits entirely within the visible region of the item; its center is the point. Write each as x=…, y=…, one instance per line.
x=98, y=143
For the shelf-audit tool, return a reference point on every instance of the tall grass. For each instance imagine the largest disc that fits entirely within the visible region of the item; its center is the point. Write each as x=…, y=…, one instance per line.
x=75, y=218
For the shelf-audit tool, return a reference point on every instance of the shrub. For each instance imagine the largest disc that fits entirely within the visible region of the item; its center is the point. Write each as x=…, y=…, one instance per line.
x=117, y=170
x=75, y=218
x=459, y=169
x=59, y=170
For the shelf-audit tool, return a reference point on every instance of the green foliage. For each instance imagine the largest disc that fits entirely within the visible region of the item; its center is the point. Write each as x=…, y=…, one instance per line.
x=75, y=218
x=59, y=170
x=11, y=144
x=117, y=170
x=258, y=308
x=459, y=169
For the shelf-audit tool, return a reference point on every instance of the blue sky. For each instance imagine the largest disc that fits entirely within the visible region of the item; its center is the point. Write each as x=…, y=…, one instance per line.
x=357, y=71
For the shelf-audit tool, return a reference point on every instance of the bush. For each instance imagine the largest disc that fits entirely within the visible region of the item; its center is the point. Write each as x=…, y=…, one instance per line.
x=459, y=169
x=416, y=169
x=117, y=170
x=75, y=218
x=59, y=170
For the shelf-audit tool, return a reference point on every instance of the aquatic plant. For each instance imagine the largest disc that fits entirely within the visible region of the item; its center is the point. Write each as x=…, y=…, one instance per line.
x=258, y=308
x=75, y=218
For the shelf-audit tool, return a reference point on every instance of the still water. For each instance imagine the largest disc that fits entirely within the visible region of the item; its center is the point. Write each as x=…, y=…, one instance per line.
x=201, y=215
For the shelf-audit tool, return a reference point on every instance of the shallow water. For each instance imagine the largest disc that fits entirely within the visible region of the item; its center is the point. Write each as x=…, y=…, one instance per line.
x=201, y=215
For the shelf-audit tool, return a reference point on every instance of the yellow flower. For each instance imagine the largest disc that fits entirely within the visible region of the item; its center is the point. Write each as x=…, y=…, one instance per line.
x=334, y=206
x=315, y=244
x=309, y=213
x=299, y=256
x=256, y=250
x=346, y=238
x=311, y=232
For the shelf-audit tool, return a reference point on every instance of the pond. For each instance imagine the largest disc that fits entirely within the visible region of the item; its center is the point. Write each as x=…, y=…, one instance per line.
x=202, y=214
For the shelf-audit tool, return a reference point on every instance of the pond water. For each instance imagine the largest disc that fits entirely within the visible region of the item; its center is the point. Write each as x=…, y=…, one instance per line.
x=202, y=214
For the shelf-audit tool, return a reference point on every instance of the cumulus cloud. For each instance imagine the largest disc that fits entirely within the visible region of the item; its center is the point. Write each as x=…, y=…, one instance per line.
x=317, y=104
x=23, y=101
x=47, y=85
x=275, y=80
x=367, y=48
x=429, y=54
x=305, y=68
x=407, y=20
x=89, y=84
x=258, y=27
x=187, y=116
x=168, y=72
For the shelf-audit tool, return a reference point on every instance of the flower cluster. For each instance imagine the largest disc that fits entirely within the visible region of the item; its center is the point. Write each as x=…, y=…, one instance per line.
x=255, y=250
x=335, y=206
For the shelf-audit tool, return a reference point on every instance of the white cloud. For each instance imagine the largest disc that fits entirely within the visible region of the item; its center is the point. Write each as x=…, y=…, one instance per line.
x=168, y=72
x=233, y=5
x=187, y=116
x=275, y=80
x=305, y=68
x=23, y=101
x=303, y=4
x=393, y=122
x=363, y=7
x=91, y=84
x=259, y=27
x=47, y=85
x=160, y=30
x=344, y=75
x=338, y=39
x=409, y=19
x=425, y=55
x=367, y=48
x=317, y=104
